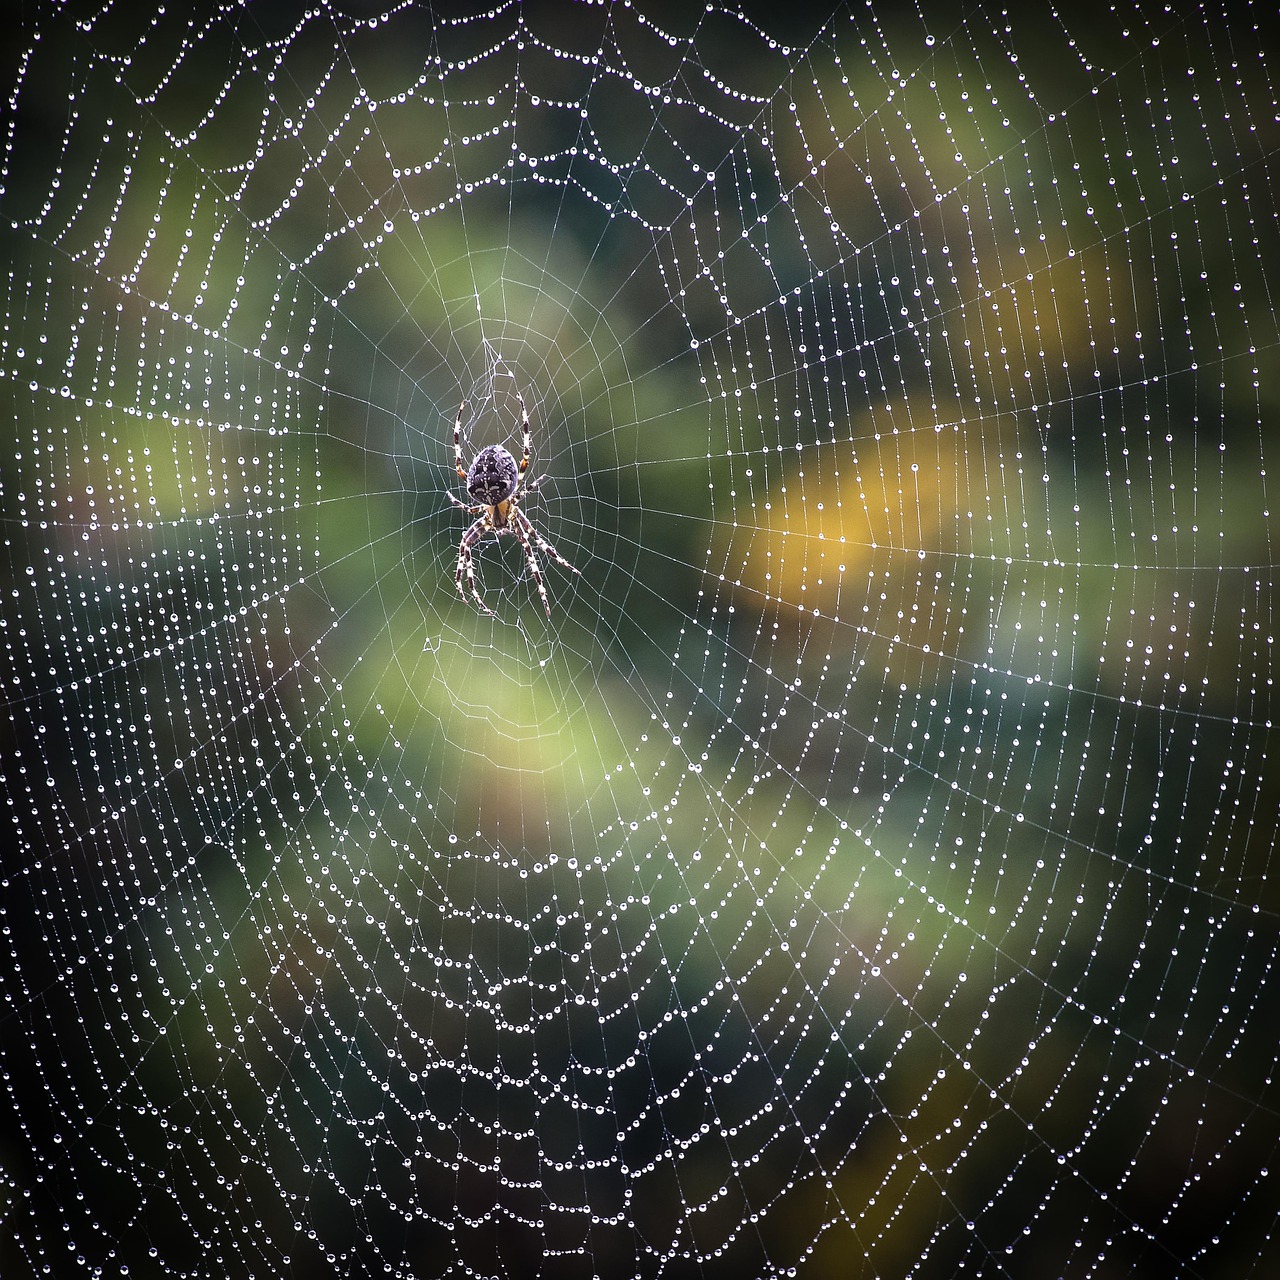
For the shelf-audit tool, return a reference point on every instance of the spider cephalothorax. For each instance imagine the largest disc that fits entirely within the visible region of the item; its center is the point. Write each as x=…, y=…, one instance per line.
x=496, y=483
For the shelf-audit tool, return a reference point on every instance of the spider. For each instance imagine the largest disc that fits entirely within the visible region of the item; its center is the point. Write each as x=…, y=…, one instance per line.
x=496, y=482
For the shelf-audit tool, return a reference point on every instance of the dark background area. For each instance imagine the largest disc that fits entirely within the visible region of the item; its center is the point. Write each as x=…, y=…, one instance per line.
x=866, y=869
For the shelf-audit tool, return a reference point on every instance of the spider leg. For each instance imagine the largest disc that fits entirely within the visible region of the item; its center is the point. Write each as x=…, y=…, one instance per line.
x=466, y=565
x=457, y=441
x=473, y=511
x=526, y=525
x=528, y=434
x=523, y=528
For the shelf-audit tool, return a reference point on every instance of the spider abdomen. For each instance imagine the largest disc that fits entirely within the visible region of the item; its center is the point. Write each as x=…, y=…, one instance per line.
x=493, y=476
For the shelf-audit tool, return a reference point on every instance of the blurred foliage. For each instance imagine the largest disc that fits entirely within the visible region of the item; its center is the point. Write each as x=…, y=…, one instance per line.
x=892, y=785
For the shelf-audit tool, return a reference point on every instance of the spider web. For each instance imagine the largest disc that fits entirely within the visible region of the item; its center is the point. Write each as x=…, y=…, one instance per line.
x=867, y=868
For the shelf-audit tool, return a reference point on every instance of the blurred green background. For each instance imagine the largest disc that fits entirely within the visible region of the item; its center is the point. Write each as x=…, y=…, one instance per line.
x=865, y=869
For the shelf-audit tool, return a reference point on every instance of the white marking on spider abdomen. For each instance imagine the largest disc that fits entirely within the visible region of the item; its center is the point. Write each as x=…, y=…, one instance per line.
x=493, y=475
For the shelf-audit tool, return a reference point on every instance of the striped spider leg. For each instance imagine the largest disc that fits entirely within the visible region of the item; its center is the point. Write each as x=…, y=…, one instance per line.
x=465, y=563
